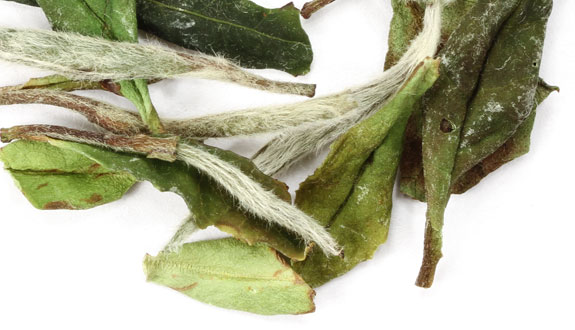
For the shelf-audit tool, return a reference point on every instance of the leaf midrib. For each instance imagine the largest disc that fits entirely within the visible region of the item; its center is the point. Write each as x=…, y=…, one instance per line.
x=162, y=264
x=213, y=19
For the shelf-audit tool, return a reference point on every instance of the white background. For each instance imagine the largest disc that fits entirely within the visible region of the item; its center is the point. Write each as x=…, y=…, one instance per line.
x=508, y=243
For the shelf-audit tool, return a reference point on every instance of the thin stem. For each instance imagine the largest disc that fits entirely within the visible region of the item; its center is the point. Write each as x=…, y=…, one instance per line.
x=431, y=255
x=152, y=147
x=309, y=8
x=107, y=116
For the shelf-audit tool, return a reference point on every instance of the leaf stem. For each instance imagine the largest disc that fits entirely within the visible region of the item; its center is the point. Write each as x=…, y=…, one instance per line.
x=309, y=8
x=152, y=147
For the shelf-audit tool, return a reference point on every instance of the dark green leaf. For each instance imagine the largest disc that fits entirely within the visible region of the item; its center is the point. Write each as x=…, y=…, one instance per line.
x=485, y=95
x=515, y=147
x=405, y=26
x=255, y=36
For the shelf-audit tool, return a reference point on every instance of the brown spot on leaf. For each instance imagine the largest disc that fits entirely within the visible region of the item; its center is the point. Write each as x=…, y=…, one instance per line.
x=186, y=288
x=58, y=205
x=41, y=186
x=111, y=86
x=95, y=198
x=446, y=126
x=94, y=167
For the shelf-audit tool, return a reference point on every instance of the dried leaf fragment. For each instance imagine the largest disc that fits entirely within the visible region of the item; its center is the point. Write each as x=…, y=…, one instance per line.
x=231, y=274
x=351, y=193
x=54, y=178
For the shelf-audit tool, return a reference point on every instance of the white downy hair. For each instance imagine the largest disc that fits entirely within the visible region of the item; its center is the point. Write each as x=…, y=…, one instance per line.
x=293, y=144
x=87, y=58
x=250, y=195
x=258, y=201
x=262, y=119
x=243, y=122
x=184, y=232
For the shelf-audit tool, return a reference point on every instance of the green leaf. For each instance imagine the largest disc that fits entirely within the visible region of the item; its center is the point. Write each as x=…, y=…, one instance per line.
x=405, y=25
x=351, y=193
x=113, y=20
x=515, y=147
x=207, y=201
x=230, y=274
x=489, y=80
x=53, y=178
x=506, y=92
x=255, y=36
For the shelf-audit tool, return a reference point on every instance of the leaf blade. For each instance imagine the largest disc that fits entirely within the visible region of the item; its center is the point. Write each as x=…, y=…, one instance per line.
x=230, y=274
x=255, y=36
x=52, y=178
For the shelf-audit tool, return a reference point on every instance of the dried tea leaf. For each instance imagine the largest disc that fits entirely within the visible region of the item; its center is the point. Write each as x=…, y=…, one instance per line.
x=405, y=25
x=351, y=193
x=471, y=94
x=515, y=147
x=209, y=203
x=230, y=274
x=255, y=36
x=54, y=178
x=112, y=20
x=507, y=89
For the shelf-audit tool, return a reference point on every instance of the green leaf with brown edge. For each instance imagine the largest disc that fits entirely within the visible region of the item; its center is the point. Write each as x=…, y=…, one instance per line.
x=515, y=147
x=207, y=201
x=405, y=25
x=412, y=180
x=507, y=89
x=470, y=94
x=54, y=178
x=230, y=274
x=255, y=36
x=113, y=20
x=351, y=193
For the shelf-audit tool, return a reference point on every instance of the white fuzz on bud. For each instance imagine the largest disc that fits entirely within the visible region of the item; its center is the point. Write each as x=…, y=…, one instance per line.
x=86, y=58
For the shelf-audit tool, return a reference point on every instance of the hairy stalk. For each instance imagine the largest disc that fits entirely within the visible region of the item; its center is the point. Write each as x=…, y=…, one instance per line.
x=152, y=147
x=309, y=8
x=294, y=144
x=243, y=122
x=107, y=116
x=262, y=119
x=58, y=82
x=187, y=229
x=85, y=58
x=253, y=198
x=250, y=195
